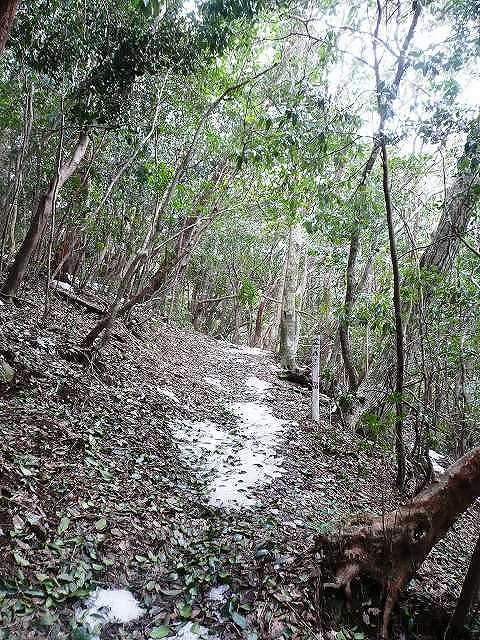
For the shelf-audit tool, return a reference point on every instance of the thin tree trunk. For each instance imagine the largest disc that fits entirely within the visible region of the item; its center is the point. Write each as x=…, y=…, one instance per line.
x=8, y=235
x=383, y=112
x=288, y=322
x=345, y=322
x=177, y=262
x=468, y=595
x=256, y=340
x=397, y=305
x=439, y=255
x=37, y=225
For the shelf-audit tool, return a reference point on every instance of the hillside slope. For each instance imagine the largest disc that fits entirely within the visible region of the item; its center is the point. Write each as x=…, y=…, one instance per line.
x=182, y=469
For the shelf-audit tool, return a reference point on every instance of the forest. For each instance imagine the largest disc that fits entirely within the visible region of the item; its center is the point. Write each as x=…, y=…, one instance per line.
x=239, y=319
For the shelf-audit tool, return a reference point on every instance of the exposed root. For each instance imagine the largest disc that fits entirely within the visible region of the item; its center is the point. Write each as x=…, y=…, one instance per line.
x=391, y=548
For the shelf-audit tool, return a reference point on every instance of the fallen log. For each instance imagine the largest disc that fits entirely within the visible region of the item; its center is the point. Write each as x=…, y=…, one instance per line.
x=391, y=548
x=297, y=376
x=81, y=300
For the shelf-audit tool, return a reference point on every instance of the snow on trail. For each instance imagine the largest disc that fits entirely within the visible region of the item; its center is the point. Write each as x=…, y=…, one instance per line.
x=215, y=382
x=233, y=351
x=168, y=394
x=233, y=463
x=434, y=458
x=105, y=606
x=190, y=631
x=257, y=386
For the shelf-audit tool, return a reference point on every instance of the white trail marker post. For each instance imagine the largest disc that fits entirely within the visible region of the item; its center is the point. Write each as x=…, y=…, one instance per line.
x=316, y=380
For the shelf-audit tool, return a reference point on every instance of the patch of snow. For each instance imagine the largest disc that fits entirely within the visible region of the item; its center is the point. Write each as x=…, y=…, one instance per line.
x=105, y=606
x=236, y=350
x=232, y=463
x=434, y=457
x=189, y=631
x=46, y=343
x=257, y=386
x=218, y=594
x=1, y=303
x=58, y=284
x=168, y=393
x=253, y=351
x=215, y=382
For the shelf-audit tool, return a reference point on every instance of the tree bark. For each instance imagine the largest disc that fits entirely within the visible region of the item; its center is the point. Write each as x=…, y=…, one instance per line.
x=37, y=225
x=391, y=548
x=8, y=9
x=288, y=322
x=397, y=305
x=256, y=339
x=468, y=595
x=345, y=322
x=458, y=207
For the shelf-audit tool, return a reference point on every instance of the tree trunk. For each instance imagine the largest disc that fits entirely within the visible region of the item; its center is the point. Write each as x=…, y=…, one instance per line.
x=468, y=595
x=8, y=9
x=391, y=548
x=288, y=322
x=256, y=339
x=174, y=264
x=457, y=212
x=37, y=225
x=345, y=322
x=440, y=254
x=397, y=305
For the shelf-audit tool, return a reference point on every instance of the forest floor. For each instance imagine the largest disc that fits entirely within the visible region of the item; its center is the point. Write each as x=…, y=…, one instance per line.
x=181, y=469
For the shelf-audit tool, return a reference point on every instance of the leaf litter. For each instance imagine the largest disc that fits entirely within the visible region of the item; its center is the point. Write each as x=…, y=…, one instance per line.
x=97, y=488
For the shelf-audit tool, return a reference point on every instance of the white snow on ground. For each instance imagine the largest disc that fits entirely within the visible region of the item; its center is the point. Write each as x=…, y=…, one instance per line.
x=257, y=386
x=168, y=393
x=253, y=351
x=434, y=457
x=58, y=284
x=234, y=351
x=215, y=382
x=218, y=594
x=189, y=631
x=233, y=462
x=105, y=606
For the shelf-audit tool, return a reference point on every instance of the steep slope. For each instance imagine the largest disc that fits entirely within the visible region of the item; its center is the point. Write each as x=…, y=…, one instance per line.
x=181, y=469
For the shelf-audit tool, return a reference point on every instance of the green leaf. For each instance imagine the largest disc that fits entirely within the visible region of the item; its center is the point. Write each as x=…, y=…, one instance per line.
x=63, y=524
x=47, y=620
x=159, y=632
x=239, y=620
x=41, y=577
x=141, y=559
x=100, y=524
x=20, y=560
x=81, y=633
x=185, y=610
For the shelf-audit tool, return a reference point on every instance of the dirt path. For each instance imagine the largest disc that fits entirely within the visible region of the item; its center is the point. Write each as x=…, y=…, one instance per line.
x=181, y=470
